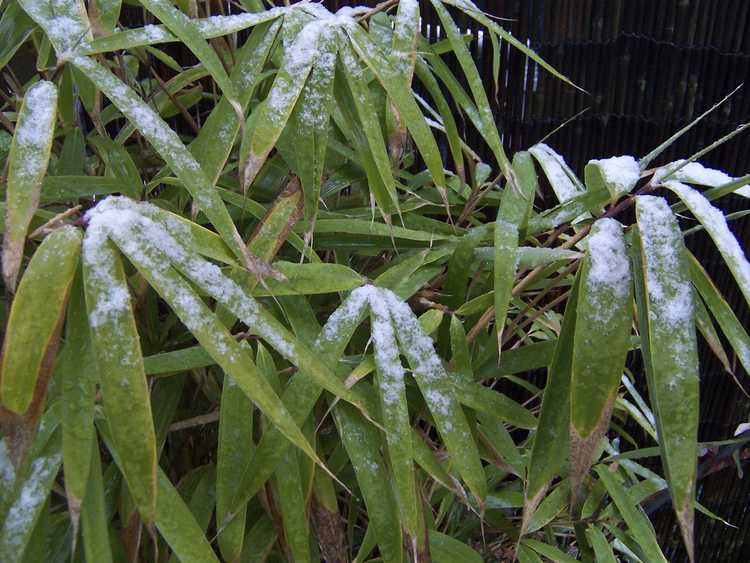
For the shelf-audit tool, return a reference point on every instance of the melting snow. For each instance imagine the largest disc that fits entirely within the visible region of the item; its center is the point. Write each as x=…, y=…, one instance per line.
x=34, y=133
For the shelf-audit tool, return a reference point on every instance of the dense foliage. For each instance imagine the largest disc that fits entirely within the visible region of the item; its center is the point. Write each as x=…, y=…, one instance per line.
x=264, y=302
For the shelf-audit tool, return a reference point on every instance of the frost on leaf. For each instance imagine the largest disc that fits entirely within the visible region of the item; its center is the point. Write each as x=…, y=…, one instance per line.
x=158, y=242
x=23, y=513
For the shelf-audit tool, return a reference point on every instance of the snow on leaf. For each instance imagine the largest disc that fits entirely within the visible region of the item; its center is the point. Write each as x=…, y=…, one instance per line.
x=715, y=223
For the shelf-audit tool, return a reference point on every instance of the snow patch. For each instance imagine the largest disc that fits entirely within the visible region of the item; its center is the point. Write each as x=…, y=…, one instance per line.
x=622, y=172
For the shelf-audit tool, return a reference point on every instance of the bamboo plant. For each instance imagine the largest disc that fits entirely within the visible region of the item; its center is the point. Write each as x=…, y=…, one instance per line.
x=262, y=305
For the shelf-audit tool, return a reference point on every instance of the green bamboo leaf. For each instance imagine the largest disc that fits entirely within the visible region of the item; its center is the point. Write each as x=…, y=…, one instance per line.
x=292, y=505
x=446, y=549
x=487, y=400
x=178, y=526
x=27, y=165
x=394, y=410
x=601, y=546
x=666, y=321
x=125, y=394
x=618, y=175
x=308, y=279
x=356, y=105
x=15, y=28
x=274, y=112
x=550, y=552
x=186, y=30
x=489, y=129
x=549, y=453
x=550, y=507
x=637, y=522
x=233, y=455
x=77, y=369
x=370, y=228
x=362, y=445
x=696, y=173
x=214, y=142
x=29, y=500
x=715, y=223
x=514, y=210
x=170, y=147
x=706, y=328
x=35, y=318
x=435, y=385
x=403, y=99
x=722, y=312
x=304, y=141
x=600, y=345
x=207, y=28
x=561, y=178
x=94, y=519
x=259, y=541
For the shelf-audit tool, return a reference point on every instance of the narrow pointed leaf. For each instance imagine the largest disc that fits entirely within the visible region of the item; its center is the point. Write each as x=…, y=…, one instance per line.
x=637, y=522
x=549, y=453
x=125, y=394
x=722, y=312
x=395, y=411
x=27, y=165
x=715, y=223
x=665, y=310
x=35, y=318
x=274, y=112
x=600, y=345
x=171, y=149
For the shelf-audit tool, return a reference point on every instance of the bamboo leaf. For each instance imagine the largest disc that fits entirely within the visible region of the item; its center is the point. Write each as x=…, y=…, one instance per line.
x=665, y=311
x=77, y=368
x=715, y=223
x=722, y=312
x=94, y=520
x=27, y=165
x=29, y=500
x=234, y=451
x=276, y=109
x=514, y=210
x=125, y=395
x=549, y=453
x=600, y=345
x=637, y=522
x=395, y=412
x=171, y=149
x=35, y=319
x=618, y=175
x=434, y=383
